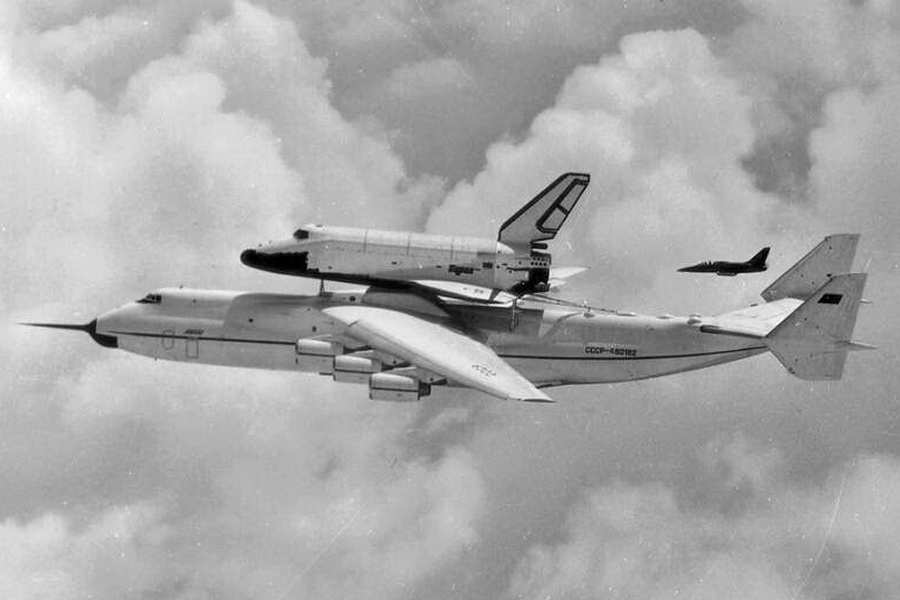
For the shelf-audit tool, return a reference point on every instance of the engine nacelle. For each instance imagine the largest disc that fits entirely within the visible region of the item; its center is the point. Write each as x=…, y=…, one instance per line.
x=354, y=369
x=396, y=388
x=316, y=356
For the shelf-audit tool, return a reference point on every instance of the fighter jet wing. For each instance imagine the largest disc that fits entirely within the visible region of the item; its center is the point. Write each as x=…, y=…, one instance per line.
x=755, y=321
x=437, y=349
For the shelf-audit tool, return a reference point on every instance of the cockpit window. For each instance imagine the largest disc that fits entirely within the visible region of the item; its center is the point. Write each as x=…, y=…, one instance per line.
x=151, y=299
x=301, y=234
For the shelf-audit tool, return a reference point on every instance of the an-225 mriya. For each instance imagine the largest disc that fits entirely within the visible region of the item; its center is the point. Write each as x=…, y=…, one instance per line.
x=401, y=343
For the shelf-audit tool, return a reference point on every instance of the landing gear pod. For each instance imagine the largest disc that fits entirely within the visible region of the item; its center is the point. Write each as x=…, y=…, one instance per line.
x=396, y=388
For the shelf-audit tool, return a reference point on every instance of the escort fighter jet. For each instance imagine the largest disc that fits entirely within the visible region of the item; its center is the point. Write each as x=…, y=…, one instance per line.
x=468, y=268
x=723, y=268
x=401, y=343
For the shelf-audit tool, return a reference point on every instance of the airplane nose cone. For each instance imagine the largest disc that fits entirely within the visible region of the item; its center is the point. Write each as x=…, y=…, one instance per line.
x=107, y=341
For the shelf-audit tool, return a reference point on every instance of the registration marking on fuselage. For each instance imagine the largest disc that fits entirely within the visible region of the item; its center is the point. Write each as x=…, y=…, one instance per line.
x=611, y=349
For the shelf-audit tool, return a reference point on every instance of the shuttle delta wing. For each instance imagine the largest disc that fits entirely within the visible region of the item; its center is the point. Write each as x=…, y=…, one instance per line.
x=437, y=349
x=545, y=214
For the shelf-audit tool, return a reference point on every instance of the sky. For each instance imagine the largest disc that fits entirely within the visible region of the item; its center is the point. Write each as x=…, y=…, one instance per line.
x=145, y=144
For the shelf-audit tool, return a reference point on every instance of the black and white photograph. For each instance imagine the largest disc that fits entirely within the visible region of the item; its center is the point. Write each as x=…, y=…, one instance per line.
x=449, y=299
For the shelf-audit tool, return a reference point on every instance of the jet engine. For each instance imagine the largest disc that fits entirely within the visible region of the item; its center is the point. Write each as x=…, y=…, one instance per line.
x=354, y=369
x=396, y=388
x=316, y=356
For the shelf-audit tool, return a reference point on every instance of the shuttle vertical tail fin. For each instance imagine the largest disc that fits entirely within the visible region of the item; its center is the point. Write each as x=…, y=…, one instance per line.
x=545, y=214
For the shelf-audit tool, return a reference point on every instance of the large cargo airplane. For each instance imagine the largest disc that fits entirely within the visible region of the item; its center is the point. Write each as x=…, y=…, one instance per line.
x=400, y=343
x=464, y=267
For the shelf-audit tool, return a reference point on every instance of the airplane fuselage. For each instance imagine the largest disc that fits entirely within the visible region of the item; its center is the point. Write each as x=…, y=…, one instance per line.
x=548, y=346
x=723, y=268
x=371, y=256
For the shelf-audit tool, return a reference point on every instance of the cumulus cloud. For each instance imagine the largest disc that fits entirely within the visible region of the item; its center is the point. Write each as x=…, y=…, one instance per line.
x=784, y=542
x=662, y=129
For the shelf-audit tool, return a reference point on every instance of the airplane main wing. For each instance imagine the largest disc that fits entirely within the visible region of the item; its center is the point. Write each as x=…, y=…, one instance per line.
x=437, y=349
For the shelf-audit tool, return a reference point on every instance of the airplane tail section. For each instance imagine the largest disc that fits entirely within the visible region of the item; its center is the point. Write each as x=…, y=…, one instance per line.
x=812, y=342
x=545, y=214
x=759, y=259
x=833, y=255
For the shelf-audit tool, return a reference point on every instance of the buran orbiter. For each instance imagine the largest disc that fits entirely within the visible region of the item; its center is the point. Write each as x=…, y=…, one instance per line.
x=469, y=268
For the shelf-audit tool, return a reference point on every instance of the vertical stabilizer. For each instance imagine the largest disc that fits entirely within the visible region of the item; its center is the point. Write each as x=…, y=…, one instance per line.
x=812, y=342
x=759, y=259
x=834, y=255
x=545, y=214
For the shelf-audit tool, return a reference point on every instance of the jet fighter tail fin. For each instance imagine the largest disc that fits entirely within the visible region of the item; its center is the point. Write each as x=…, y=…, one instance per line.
x=812, y=342
x=759, y=259
x=833, y=255
x=545, y=214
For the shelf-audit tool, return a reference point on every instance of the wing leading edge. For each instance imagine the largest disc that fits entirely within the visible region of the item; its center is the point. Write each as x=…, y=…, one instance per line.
x=437, y=349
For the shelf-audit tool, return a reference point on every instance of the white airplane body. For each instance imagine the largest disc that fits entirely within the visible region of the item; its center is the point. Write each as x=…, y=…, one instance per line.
x=400, y=343
x=516, y=262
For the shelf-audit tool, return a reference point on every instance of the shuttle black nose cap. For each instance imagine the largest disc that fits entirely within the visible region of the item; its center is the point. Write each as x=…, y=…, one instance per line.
x=286, y=263
x=248, y=257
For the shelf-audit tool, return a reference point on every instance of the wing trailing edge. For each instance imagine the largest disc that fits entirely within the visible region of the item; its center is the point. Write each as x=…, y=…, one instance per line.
x=438, y=349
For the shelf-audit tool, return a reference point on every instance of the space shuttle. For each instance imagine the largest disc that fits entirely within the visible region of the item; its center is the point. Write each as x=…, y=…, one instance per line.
x=515, y=264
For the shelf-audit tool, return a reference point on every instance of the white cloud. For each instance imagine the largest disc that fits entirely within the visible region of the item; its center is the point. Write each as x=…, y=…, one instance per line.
x=432, y=77
x=662, y=129
x=119, y=553
x=855, y=154
x=624, y=540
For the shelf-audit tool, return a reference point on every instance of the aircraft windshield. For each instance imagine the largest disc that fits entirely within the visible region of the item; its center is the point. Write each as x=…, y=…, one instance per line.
x=151, y=299
x=301, y=234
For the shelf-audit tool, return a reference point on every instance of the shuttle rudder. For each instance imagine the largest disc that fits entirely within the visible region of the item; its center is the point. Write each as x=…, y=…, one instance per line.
x=543, y=217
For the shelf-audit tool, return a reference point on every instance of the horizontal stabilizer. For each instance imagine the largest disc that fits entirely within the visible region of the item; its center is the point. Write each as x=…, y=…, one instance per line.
x=813, y=341
x=566, y=272
x=559, y=276
x=753, y=322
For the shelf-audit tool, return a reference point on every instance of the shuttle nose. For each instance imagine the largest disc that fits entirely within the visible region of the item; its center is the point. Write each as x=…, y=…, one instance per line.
x=249, y=257
x=284, y=262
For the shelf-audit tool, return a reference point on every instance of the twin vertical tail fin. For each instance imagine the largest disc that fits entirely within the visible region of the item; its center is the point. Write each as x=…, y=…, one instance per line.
x=833, y=256
x=813, y=341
